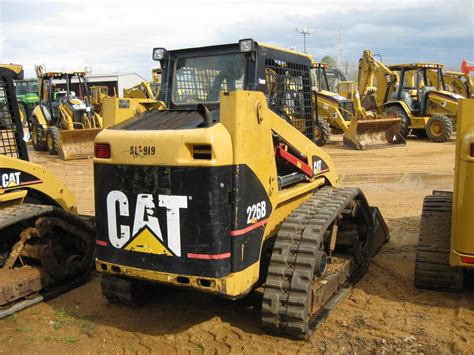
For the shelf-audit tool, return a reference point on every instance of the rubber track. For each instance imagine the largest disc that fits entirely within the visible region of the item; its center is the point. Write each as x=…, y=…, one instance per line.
x=119, y=290
x=10, y=216
x=432, y=269
x=287, y=295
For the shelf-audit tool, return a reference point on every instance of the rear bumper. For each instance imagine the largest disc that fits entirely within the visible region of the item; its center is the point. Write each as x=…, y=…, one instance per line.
x=461, y=260
x=235, y=285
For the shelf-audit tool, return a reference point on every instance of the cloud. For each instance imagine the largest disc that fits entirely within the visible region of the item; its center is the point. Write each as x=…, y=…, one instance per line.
x=118, y=36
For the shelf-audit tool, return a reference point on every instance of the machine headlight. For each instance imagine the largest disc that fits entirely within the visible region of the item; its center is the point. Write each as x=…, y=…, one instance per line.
x=247, y=45
x=159, y=53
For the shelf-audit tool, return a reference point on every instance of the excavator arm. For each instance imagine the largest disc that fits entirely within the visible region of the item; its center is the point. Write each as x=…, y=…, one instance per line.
x=373, y=71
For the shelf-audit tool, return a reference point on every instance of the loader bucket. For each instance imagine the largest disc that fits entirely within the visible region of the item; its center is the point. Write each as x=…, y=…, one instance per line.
x=77, y=143
x=376, y=133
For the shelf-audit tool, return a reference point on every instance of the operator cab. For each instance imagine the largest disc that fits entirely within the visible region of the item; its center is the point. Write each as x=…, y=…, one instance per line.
x=57, y=88
x=415, y=84
x=197, y=76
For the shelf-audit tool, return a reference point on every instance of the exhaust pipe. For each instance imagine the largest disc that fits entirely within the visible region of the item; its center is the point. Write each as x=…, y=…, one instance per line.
x=206, y=115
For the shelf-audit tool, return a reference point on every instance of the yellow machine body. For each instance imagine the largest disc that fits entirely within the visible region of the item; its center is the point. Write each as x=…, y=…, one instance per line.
x=462, y=226
x=135, y=100
x=459, y=83
x=362, y=129
x=402, y=90
x=233, y=141
x=21, y=178
x=60, y=115
x=73, y=142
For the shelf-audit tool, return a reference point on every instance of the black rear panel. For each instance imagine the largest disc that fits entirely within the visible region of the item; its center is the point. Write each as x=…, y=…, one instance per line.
x=192, y=217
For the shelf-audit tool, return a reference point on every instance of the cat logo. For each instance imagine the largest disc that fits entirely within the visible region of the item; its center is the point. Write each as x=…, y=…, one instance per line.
x=144, y=234
x=10, y=179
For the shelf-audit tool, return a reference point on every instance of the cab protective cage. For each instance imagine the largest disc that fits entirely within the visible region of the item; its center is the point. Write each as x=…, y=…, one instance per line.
x=11, y=130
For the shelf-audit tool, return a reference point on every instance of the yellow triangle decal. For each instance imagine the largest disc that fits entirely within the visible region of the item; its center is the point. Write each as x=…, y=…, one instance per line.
x=146, y=242
x=11, y=184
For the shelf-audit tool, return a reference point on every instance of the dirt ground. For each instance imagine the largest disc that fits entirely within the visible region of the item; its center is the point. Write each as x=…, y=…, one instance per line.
x=384, y=312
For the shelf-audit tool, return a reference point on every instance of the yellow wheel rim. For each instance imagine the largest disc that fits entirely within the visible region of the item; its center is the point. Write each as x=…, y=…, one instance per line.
x=50, y=142
x=436, y=129
x=34, y=134
x=317, y=133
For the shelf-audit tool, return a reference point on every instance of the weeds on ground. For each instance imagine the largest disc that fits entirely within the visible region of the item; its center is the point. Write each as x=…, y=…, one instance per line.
x=22, y=330
x=64, y=317
x=65, y=340
x=12, y=317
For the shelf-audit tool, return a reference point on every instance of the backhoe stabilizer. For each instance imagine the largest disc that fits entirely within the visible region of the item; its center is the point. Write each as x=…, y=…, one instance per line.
x=77, y=143
x=377, y=133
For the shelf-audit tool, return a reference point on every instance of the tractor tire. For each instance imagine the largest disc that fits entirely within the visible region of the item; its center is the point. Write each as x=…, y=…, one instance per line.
x=405, y=120
x=432, y=269
x=439, y=128
x=322, y=132
x=37, y=134
x=52, y=140
x=118, y=290
x=23, y=116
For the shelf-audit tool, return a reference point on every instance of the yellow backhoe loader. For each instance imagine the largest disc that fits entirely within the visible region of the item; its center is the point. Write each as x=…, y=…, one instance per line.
x=45, y=248
x=64, y=122
x=424, y=107
x=446, y=244
x=342, y=111
x=225, y=190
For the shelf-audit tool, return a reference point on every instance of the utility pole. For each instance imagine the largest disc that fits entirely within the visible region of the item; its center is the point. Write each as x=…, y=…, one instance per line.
x=339, y=50
x=304, y=32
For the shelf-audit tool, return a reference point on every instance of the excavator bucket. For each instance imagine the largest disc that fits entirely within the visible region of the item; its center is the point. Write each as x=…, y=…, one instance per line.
x=375, y=133
x=77, y=143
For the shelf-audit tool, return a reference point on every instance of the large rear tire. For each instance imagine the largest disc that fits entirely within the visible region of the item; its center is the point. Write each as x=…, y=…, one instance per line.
x=439, y=128
x=322, y=132
x=432, y=269
x=37, y=134
x=52, y=140
x=404, y=119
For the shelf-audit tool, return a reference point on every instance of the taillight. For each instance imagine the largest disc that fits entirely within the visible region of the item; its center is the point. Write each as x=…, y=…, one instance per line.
x=102, y=150
x=467, y=259
x=472, y=150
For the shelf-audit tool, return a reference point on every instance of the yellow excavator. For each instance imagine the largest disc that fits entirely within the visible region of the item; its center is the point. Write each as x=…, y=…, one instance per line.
x=445, y=248
x=424, y=107
x=225, y=190
x=46, y=248
x=342, y=112
x=64, y=122
x=460, y=83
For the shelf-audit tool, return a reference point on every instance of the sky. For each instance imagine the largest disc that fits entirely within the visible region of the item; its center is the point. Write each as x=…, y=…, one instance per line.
x=118, y=36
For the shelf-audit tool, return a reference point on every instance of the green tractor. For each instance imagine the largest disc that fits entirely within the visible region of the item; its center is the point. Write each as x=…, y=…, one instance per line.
x=27, y=97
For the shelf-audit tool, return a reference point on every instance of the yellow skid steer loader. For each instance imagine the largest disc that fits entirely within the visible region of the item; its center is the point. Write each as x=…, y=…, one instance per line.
x=225, y=190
